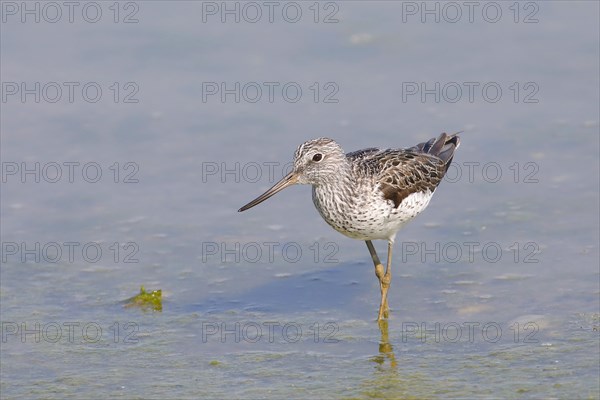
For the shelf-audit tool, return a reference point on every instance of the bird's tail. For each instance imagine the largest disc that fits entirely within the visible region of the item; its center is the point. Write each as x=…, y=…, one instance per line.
x=443, y=147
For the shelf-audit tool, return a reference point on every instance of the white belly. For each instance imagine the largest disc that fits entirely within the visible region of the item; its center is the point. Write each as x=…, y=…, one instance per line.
x=369, y=217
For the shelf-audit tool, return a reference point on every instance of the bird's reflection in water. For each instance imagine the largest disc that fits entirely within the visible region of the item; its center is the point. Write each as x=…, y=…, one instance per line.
x=392, y=381
x=386, y=350
x=387, y=381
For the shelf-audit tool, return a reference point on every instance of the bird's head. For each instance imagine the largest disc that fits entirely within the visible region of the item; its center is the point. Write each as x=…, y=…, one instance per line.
x=316, y=161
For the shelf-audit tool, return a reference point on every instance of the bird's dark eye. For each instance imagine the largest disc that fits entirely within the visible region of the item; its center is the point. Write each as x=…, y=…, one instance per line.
x=317, y=157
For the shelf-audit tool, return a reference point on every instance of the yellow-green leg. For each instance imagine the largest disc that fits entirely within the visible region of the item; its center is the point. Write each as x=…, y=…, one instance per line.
x=384, y=278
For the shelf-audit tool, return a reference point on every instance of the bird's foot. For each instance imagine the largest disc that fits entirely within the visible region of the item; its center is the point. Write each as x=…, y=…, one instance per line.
x=385, y=279
x=384, y=312
x=379, y=272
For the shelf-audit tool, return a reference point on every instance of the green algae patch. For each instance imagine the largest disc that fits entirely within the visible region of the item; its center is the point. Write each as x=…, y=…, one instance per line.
x=146, y=300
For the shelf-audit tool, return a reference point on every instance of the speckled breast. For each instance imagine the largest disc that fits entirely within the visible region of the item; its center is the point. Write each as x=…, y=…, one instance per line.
x=365, y=214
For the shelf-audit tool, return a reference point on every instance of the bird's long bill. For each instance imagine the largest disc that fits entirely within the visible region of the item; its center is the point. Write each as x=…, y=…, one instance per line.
x=288, y=180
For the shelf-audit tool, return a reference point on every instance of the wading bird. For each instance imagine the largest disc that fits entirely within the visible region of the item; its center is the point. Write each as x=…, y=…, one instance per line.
x=369, y=194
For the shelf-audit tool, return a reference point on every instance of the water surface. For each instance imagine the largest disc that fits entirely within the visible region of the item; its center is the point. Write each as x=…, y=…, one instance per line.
x=495, y=290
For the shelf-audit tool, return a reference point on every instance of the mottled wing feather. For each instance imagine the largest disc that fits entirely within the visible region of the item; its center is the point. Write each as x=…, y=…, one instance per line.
x=401, y=172
x=360, y=154
x=405, y=172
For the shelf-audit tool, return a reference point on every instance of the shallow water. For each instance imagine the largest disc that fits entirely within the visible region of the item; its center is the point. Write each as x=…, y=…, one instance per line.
x=495, y=290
